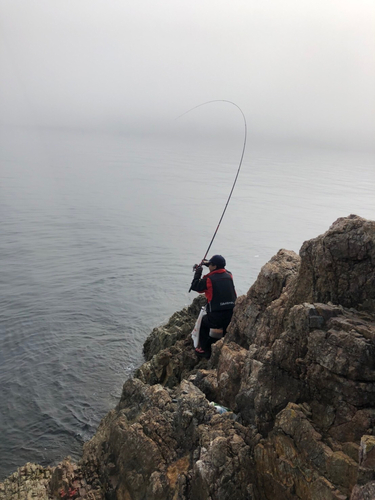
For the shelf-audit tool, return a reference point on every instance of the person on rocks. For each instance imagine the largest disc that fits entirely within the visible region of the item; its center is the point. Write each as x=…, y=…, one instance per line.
x=218, y=287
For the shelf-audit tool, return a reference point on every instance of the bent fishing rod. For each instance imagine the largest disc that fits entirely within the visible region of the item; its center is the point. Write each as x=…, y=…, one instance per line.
x=236, y=177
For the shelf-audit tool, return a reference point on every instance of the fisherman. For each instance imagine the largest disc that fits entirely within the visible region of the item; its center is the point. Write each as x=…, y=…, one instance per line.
x=220, y=293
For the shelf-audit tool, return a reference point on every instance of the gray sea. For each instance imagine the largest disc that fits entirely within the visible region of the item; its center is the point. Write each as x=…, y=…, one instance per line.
x=98, y=235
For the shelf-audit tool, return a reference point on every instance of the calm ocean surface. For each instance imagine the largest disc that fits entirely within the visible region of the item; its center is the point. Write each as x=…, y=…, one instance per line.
x=98, y=234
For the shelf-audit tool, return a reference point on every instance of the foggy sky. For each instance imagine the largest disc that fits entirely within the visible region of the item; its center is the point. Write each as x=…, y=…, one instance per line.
x=297, y=68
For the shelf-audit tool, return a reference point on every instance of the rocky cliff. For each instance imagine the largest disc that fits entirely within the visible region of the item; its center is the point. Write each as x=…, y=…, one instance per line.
x=296, y=371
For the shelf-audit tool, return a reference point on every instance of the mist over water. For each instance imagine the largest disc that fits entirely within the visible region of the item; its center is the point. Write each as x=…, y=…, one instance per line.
x=98, y=234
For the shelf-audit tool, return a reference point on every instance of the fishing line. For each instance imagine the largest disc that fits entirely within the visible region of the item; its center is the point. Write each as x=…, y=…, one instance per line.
x=238, y=170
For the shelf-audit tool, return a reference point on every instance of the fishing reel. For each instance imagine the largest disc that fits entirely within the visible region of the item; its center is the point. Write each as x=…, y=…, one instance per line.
x=203, y=263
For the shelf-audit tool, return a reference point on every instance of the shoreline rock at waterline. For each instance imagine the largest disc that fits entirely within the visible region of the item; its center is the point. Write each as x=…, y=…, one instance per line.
x=296, y=371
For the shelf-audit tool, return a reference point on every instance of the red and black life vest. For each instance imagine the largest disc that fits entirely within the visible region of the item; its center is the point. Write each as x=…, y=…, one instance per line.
x=218, y=288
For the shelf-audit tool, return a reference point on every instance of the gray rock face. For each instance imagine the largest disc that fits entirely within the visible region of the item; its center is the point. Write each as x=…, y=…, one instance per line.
x=65, y=481
x=179, y=327
x=296, y=371
x=30, y=481
x=339, y=266
x=165, y=444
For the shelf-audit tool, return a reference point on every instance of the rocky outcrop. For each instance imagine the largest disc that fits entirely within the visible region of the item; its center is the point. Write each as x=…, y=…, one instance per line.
x=178, y=328
x=164, y=444
x=30, y=481
x=168, y=353
x=338, y=267
x=65, y=481
x=295, y=372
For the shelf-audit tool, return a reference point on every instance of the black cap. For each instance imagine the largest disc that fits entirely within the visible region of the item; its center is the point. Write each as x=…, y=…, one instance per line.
x=218, y=261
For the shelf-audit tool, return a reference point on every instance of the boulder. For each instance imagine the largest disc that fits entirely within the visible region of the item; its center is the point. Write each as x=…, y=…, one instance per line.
x=339, y=266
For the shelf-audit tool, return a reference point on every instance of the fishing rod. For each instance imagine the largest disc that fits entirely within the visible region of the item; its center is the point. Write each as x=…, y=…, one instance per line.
x=236, y=177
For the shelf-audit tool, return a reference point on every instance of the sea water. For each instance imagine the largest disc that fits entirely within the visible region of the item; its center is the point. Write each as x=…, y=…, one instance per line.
x=98, y=236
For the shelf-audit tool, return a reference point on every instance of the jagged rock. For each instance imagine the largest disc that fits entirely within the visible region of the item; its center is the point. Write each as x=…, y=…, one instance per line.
x=178, y=327
x=161, y=444
x=168, y=350
x=365, y=489
x=295, y=462
x=259, y=315
x=229, y=373
x=206, y=381
x=297, y=371
x=366, y=492
x=303, y=351
x=30, y=481
x=339, y=266
x=367, y=452
x=65, y=481
x=169, y=366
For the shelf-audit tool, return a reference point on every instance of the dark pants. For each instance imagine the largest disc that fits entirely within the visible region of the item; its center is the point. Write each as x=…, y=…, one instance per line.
x=218, y=319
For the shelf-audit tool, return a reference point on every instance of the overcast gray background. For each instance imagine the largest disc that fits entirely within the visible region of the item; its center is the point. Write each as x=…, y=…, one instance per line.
x=298, y=69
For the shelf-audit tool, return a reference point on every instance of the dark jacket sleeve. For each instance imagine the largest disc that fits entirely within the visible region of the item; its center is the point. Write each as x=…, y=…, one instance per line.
x=199, y=285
